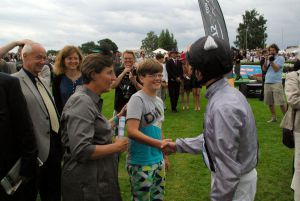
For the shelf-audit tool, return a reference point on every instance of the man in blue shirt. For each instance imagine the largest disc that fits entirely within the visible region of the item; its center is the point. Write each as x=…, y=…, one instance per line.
x=273, y=89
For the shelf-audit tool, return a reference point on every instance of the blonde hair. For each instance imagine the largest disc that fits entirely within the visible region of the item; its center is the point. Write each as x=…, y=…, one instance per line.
x=129, y=52
x=59, y=65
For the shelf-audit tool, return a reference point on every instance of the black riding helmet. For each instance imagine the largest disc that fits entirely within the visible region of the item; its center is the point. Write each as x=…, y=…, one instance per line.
x=210, y=56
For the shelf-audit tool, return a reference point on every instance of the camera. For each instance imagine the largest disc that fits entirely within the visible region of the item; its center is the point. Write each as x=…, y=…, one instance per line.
x=134, y=71
x=271, y=58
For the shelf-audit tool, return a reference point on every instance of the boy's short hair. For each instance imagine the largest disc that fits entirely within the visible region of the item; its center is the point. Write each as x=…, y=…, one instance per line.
x=149, y=67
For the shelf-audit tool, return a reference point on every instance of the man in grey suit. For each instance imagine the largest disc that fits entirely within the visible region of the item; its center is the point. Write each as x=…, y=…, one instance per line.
x=45, y=123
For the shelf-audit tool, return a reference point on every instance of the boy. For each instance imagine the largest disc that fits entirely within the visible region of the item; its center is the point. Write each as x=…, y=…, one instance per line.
x=145, y=113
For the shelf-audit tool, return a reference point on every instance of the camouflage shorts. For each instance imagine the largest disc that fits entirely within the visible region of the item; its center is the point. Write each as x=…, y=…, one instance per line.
x=147, y=182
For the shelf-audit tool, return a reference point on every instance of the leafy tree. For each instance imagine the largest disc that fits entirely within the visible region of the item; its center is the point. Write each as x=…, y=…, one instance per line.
x=88, y=47
x=113, y=45
x=167, y=40
x=52, y=52
x=150, y=43
x=251, y=33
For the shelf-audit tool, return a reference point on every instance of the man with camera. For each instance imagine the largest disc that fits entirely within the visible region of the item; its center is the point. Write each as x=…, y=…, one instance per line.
x=273, y=89
x=126, y=83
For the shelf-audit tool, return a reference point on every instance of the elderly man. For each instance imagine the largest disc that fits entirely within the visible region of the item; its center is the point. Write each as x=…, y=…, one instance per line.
x=45, y=123
x=229, y=141
x=16, y=137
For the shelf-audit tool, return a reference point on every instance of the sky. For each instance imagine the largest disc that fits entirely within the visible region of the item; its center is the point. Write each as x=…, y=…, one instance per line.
x=56, y=23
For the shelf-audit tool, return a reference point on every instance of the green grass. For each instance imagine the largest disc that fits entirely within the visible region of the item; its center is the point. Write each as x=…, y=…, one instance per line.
x=189, y=179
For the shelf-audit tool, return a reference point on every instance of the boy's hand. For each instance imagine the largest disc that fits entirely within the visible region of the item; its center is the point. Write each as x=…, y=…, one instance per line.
x=168, y=147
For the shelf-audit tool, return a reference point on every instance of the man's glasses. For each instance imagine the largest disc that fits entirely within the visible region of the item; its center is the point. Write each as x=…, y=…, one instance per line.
x=157, y=75
x=128, y=59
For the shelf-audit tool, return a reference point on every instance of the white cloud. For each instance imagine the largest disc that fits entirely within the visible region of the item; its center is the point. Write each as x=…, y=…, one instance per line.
x=57, y=23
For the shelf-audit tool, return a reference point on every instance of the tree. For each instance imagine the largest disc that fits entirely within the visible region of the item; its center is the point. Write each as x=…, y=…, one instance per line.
x=52, y=52
x=252, y=32
x=113, y=45
x=150, y=43
x=166, y=40
x=89, y=47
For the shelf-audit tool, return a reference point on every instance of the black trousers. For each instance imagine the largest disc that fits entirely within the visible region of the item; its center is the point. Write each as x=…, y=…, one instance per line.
x=174, y=88
x=48, y=181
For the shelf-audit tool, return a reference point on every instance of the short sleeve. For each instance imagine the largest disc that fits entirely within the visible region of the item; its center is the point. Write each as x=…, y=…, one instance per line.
x=280, y=61
x=134, y=108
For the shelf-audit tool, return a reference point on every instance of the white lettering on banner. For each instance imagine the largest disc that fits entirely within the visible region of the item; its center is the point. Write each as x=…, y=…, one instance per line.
x=207, y=8
x=214, y=30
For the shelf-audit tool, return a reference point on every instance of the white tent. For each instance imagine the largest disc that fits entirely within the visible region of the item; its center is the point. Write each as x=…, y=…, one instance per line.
x=160, y=50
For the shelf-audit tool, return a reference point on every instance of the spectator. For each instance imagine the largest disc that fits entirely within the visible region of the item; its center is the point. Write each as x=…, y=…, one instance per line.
x=273, y=89
x=90, y=169
x=45, y=121
x=186, y=82
x=126, y=83
x=263, y=65
x=174, y=70
x=6, y=66
x=67, y=75
x=237, y=64
x=142, y=57
x=162, y=92
x=292, y=120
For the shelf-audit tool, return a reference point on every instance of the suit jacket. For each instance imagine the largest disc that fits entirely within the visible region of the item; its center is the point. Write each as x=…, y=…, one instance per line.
x=38, y=113
x=174, y=70
x=292, y=92
x=16, y=136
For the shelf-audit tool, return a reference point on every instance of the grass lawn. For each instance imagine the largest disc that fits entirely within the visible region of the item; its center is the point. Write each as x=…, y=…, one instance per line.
x=189, y=179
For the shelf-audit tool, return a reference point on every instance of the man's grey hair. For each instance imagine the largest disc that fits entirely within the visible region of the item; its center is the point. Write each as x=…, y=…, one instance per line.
x=28, y=48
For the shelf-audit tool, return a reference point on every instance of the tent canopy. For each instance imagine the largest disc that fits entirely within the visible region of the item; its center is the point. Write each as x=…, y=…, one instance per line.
x=160, y=50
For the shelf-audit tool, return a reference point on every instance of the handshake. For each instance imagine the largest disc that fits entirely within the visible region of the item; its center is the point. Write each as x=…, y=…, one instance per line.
x=168, y=146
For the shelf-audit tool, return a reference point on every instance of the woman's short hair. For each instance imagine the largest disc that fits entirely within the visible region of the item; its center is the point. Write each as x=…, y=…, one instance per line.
x=149, y=67
x=94, y=63
x=59, y=65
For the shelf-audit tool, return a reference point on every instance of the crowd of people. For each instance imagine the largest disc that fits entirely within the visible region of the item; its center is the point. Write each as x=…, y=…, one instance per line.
x=60, y=108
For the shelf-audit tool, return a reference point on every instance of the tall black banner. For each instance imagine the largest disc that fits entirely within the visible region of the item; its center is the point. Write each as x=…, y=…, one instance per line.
x=213, y=19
